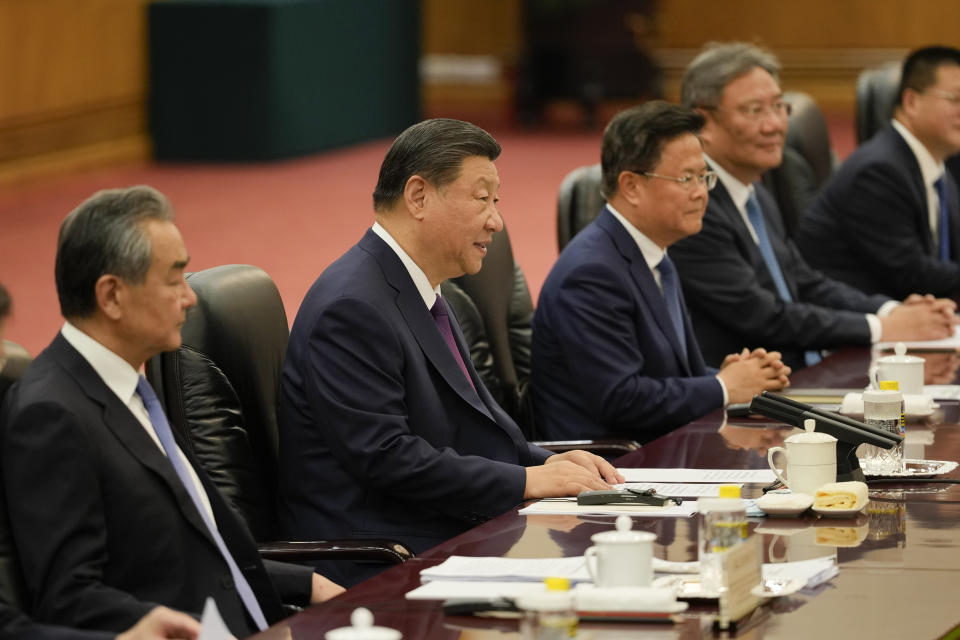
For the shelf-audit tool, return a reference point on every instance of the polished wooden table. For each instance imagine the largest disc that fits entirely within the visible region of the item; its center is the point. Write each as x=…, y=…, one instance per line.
x=899, y=562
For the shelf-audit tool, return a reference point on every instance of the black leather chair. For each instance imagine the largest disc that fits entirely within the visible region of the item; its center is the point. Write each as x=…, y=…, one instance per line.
x=220, y=390
x=16, y=359
x=495, y=311
x=12, y=590
x=876, y=94
x=808, y=160
x=579, y=202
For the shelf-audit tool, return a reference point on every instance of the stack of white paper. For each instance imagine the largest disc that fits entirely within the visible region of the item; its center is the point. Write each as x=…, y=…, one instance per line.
x=465, y=568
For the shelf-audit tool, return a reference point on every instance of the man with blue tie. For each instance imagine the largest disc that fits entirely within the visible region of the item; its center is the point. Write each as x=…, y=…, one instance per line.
x=745, y=280
x=613, y=350
x=110, y=515
x=889, y=221
x=386, y=430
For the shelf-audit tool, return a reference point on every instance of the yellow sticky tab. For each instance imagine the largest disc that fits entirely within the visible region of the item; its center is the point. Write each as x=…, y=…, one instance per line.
x=557, y=584
x=729, y=491
x=889, y=385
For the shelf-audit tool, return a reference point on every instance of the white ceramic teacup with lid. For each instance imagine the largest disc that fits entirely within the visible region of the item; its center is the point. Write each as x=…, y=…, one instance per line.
x=811, y=460
x=906, y=370
x=362, y=628
x=621, y=558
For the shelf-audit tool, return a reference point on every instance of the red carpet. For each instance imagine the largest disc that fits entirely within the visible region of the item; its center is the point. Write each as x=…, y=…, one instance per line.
x=290, y=218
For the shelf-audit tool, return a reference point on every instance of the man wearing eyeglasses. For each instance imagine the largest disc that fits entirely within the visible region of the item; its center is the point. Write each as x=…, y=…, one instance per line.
x=889, y=221
x=613, y=350
x=745, y=280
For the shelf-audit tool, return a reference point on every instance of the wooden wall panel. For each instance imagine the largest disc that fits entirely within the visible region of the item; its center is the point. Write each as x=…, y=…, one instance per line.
x=72, y=76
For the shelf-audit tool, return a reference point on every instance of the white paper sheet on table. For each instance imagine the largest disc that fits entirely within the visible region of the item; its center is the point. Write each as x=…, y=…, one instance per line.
x=460, y=589
x=681, y=489
x=468, y=568
x=725, y=476
x=953, y=342
x=571, y=508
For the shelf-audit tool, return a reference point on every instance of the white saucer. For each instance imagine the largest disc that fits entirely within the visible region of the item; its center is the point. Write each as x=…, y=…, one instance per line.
x=840, y=513
x=784, y=504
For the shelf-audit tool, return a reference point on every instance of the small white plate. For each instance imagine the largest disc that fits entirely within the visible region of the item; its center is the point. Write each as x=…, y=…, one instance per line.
x=778, y=587
x=784, y=504
x=840, y=513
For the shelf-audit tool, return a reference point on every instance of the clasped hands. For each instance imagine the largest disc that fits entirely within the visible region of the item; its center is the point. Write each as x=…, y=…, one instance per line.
x=747, y=373
x=920, y=317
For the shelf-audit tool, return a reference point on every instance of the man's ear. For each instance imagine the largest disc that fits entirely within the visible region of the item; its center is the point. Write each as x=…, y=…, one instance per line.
x=631, y=187
x=110, y=292
x=709, y=126
x=415, y=195
x=908, y=103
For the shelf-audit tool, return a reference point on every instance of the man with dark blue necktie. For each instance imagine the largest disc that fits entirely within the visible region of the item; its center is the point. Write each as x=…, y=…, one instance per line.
x=613, y=350
x=745, y=280
x=889, y=221
x=110, y=515
x=386, y=430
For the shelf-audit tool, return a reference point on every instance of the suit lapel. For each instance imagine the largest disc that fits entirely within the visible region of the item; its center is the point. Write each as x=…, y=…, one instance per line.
x=899, y=147
x=422, y=325
x=726, y=207
x=127, y=429
x=643, y=277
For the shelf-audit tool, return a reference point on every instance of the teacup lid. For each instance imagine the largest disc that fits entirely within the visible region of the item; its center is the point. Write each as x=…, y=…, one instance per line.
x=809, y=436
x=361, y=628
x=900, y=357
x=623, y=534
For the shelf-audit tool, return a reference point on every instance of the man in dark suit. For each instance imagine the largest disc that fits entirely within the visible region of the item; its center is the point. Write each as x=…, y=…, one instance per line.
x=110, y=516
x=386, y=430
x=889, y=221
x=745, y=280
x=613, y=350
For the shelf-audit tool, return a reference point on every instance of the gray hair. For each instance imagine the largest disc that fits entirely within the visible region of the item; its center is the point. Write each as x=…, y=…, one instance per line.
x=718, y=64
x=105, y=235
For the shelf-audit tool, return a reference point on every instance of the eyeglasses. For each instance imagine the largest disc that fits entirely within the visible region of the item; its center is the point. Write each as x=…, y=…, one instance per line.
x=949, y=96
x=708, y=179
x=754, y=111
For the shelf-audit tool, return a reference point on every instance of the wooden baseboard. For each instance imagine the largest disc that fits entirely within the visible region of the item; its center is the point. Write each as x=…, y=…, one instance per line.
x=134, y=148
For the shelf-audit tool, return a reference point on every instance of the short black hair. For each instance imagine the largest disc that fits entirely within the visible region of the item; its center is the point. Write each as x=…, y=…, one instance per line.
x=4, y=303
x=105, y=235
x=634, y=139
x=434, y=150
x=920, y=68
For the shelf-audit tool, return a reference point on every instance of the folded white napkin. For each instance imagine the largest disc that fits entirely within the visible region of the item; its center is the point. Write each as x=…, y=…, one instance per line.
x=917, y=405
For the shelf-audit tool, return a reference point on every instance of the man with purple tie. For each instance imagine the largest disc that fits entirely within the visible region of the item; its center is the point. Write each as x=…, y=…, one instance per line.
x=386, y=430
x=110, y=515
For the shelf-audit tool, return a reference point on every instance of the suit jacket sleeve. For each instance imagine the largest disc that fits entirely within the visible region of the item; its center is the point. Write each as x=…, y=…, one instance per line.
x=55, y=503
x=720, y=279
x=293, y=582
x=356, y=379
x=596, y=325
x=880, y=223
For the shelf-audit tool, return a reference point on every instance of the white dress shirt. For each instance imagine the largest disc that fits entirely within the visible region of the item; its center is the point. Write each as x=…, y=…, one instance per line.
x=931, y=171
x=122, y=380
x=653, y=254
x=740, y=193
x=428, y=293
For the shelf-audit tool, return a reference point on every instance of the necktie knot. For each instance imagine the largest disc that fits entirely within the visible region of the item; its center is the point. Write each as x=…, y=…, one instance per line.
x=439, y=308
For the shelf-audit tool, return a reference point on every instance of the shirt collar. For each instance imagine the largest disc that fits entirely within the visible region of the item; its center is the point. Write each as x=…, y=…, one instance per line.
x=420, y=280
x=738, y=191
x=116, y=372
x=652, y=253
x=930, y=169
